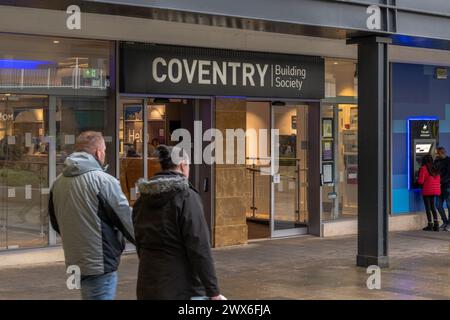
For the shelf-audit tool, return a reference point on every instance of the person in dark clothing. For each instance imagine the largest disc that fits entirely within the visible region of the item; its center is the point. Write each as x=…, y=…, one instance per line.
x=443, y=163
x=172, y=237
x=430, y=180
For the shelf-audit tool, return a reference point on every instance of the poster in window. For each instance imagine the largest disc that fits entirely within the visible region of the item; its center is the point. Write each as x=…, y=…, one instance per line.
x=327, y=173
x=327, y=128
x=327, y=150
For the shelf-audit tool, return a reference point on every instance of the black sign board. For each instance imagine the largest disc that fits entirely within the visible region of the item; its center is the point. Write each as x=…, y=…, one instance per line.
x=158, y=69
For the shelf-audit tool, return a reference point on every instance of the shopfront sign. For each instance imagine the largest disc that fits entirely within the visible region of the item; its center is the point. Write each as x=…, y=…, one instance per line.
x=154, y=69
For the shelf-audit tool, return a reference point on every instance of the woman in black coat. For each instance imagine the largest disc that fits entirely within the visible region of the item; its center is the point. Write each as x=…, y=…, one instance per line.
x=172, y=237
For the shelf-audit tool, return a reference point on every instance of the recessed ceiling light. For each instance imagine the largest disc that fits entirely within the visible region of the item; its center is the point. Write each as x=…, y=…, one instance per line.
x=55, y=41
x=335, y=62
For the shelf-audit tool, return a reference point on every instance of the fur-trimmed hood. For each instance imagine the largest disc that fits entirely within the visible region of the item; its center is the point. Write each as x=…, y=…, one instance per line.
x=163, y=185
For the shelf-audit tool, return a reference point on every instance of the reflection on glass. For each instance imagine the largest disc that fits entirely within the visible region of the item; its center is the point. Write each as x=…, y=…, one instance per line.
x=341, y=79
x=156, y=126
x=53, y=63
x=23, y=171
x=73, y=116
x=131, y=146
x=258, y=162
x=340, y=197
x=290, y=187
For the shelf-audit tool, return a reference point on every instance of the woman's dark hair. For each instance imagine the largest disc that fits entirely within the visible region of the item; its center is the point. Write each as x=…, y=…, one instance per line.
x=428, y=162
x=164, y=153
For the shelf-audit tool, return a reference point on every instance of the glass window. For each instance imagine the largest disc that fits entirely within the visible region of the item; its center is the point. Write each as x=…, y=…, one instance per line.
x=291, y=191
x=340, y=148
x=53, y=67
x=164, y=116
x=131, y=145
x=49, y=62
x=340, y=198
x=341, y=79
x=75, y=115
x=23, y=171
x=258, y=160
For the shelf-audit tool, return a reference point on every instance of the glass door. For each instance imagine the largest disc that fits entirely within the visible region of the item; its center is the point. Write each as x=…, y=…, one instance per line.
x=131, y=145
x=23, y=171
x=289, y=170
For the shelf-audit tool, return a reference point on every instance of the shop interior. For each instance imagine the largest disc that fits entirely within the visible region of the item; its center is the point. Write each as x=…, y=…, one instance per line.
x=340, y=190
x=25, y=156
x=339, y=113
x=163, y=117
x=23, y=170
x=290, y=205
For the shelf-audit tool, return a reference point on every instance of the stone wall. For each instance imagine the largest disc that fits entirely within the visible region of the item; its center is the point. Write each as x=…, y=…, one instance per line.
x=232, y=183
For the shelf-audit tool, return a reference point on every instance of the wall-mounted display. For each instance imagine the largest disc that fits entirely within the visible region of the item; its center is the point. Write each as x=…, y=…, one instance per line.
x=327, y=173
x=327, y=127
x=327, y=150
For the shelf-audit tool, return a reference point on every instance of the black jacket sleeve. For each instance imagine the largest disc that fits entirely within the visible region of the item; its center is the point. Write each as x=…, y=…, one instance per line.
x=51, y=213
x=116, y=207
x=195, y=235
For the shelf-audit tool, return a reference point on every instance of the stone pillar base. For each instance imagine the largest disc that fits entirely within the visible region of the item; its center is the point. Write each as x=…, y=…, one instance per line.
x=230, y=235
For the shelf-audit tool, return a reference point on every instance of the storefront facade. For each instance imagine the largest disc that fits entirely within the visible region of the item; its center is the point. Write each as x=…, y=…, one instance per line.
x=48, y=95
x=55, y=93
x=246, y=92
x=138, y=87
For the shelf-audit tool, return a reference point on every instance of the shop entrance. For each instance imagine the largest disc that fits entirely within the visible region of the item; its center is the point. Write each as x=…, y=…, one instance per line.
x=278, y=202
x=148, y=122
x=290, y=184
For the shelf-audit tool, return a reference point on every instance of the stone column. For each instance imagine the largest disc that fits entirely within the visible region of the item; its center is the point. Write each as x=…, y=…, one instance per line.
x=232, y=186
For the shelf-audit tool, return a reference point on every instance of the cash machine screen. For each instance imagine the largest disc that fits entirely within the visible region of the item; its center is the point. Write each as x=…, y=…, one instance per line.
x=423, y=148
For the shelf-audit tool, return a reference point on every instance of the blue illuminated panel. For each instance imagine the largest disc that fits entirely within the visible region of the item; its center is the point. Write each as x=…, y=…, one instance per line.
x=22, y=64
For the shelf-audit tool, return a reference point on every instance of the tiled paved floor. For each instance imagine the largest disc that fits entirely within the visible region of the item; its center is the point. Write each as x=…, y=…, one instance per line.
x=296, y=268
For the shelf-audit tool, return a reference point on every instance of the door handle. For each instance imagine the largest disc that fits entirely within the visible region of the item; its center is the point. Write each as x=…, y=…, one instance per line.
x=205, y=185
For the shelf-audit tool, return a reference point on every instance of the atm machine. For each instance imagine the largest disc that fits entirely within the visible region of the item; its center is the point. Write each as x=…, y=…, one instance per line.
x=423, y=138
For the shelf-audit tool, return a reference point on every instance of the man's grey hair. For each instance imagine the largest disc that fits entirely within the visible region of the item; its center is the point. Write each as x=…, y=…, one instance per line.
x=89, y=141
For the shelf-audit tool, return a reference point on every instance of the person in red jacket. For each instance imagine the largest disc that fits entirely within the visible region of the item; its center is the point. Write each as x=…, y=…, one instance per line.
x=430, y=180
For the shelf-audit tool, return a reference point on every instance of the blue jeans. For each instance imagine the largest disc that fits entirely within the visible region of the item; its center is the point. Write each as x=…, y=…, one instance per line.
x=99, y=287
x=200, y=298
x=444, y=197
